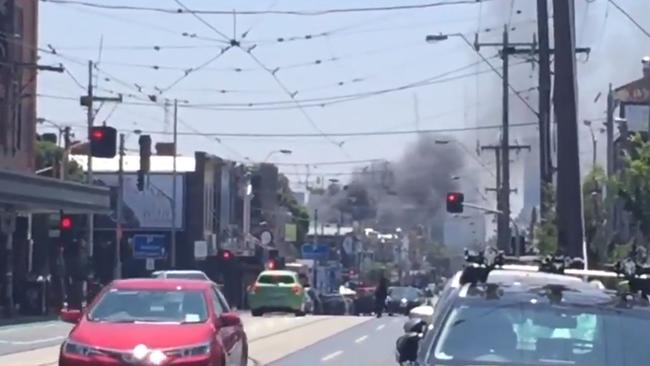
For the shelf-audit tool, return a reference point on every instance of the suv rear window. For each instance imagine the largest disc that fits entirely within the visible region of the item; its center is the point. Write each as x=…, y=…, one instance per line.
x=276, y=279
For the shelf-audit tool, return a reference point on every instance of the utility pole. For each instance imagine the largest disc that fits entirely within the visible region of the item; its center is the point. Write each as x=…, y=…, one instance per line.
x=118, y=209
x=173, y=239
x=544, y=93
x=503, y=221
x=504, y=193
x=66, y=153
x=569, y=192
x=88, y=101
x=315, y=226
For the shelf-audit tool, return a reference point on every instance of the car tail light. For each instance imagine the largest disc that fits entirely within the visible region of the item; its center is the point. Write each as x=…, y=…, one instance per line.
x=297, y=289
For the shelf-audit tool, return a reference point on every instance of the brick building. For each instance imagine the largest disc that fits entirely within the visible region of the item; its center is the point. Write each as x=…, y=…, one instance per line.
x=22, y=193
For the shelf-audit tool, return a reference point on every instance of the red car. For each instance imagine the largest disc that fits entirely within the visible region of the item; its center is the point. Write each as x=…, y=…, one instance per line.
x=155, y=322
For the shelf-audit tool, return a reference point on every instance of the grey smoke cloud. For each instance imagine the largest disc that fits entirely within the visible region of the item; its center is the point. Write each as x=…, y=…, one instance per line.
x=404, y=193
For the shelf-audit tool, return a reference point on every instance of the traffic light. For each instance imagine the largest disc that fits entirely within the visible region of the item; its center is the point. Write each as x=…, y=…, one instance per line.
x=225, y=255
x=145, y=153
x=145, y=160
x=455, y=202
x=103, y=142
x=66, y=226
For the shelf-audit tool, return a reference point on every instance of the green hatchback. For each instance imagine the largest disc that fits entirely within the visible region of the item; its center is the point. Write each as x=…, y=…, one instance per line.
x=277, y=291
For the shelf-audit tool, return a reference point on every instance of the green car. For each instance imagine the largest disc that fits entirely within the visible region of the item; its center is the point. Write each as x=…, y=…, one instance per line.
x=277, y=291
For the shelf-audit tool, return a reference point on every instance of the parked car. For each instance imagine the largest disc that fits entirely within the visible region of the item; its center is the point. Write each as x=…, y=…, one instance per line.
x=155, y=322
x=364, y=301
x=277, y=291
x=336, y=304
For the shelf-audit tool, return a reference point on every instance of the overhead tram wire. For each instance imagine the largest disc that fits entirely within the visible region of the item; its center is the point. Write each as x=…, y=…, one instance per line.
x=273, y=12
x=207, y=24
x=630, y=18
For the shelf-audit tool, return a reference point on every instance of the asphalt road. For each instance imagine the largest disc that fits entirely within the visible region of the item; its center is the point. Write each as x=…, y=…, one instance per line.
x=20, y=338
x=270, y=338
x=369, y=343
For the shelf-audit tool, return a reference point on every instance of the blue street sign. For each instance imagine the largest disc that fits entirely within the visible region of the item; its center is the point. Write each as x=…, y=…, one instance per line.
x=149, y=246
x=315, y=252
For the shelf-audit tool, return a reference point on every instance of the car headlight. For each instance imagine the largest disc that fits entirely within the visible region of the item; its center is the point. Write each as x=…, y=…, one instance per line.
x=76, y=348
x=197, y=350
x=404, y=301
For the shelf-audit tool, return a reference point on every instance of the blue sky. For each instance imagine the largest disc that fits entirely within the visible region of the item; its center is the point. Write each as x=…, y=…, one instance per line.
x=362, y=52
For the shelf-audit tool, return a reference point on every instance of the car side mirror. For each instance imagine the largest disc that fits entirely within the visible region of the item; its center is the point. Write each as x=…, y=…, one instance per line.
x=407, y=348
x=70, y=315
x=415, y=326
x=230, y=320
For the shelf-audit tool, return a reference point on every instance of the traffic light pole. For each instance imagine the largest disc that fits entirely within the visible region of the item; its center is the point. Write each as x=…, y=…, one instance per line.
x=118, y=214
x=88, y=101
x=173, y=232
x=500, y=213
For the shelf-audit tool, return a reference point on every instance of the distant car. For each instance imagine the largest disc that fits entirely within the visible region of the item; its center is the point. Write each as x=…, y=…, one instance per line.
x=364, y=302
x=277, y=291
x=155, y=322
x=336, y=304
x=315, y=298
x=181, y=275
x=401, y=300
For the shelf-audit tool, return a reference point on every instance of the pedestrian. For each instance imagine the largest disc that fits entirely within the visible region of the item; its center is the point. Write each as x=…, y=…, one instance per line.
x=380, y=296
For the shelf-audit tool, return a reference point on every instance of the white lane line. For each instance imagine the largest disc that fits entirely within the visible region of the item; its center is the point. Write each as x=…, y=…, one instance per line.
x=331, y=356
x=18, y=328
x=361, y=339
x=381, y=327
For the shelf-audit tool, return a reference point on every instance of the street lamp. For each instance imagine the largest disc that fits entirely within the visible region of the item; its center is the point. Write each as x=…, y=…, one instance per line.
x=281, y=151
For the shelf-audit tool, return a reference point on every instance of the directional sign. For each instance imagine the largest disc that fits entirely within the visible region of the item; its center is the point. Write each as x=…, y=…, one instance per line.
x=149, y=246
x=315, y=252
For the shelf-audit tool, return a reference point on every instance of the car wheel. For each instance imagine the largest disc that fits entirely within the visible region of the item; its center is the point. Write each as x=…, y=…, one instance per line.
x=257, y=312
x=300, y=313
x=244, y=357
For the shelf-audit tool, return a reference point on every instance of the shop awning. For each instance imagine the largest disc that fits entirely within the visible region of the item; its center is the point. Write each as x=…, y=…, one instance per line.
x=31, y=193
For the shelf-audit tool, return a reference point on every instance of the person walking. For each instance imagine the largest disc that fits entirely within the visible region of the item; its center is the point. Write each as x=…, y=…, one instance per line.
x=380, y=296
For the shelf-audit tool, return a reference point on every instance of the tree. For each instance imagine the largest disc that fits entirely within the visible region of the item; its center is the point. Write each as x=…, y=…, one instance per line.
x=633, y=184
x=546, y=231
x=48, y=155
x=594, y=214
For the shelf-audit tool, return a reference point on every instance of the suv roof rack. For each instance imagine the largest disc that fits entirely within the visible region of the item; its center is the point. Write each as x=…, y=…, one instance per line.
x=480, y=264
x=633, y=269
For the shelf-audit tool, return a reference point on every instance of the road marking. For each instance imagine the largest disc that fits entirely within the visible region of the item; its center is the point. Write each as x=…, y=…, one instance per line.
x=331, y=356
x=35, y=341
x=381, y=327
x=361, y=339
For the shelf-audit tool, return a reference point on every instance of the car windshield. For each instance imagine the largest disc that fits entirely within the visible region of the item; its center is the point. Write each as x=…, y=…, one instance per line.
x=404, y=292
x=542, y=335
x=131, y=306
x=269, y=279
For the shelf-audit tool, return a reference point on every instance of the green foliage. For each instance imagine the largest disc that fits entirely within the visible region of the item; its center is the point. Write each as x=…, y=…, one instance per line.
x=546, y=231
x=49, y=154
x=595, y=212
x=633, y=185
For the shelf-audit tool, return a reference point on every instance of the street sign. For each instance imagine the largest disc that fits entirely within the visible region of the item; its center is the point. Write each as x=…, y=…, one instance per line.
x=150, y=264
x=315, y=252
x=149, y=246
x=200, y=249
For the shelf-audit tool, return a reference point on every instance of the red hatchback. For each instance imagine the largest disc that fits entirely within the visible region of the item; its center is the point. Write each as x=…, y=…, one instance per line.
x=155, y=322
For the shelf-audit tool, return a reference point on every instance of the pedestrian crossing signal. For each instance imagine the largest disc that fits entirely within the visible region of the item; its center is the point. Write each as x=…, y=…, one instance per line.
x=455, y=202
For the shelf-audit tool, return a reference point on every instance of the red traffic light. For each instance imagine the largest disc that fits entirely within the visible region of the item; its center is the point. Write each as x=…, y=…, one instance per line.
x=271, y=264
x=226, y=255
x=97, y=134
x=66, y=223
x=455, y=202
